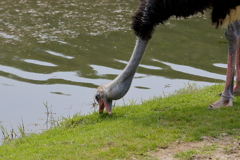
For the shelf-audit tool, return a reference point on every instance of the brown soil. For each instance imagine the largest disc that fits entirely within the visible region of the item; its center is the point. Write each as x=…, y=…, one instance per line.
x=224, y=148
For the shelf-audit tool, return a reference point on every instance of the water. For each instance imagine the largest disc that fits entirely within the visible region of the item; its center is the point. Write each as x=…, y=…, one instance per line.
x=59, y=52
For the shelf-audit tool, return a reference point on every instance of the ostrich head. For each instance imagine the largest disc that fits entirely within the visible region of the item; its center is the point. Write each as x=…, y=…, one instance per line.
x=103, y=100
x=117, y=88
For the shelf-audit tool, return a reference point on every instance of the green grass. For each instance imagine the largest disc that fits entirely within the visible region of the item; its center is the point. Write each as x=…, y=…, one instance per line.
x=132, y=131
x=186, y=155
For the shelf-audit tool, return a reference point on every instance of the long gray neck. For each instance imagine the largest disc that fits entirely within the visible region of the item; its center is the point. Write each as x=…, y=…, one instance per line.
x=121, y=84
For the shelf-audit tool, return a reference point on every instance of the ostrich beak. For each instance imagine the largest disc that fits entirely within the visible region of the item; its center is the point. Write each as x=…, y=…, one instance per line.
x=105, y=104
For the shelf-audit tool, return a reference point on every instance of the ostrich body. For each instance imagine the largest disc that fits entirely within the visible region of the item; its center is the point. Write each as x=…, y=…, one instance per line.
x=152, y=12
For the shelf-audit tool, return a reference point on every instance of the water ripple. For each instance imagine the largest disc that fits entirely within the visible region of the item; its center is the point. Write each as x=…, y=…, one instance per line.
x=102, y=70
x=69, y=76
x=59, y=54
x=39, y=62
x=192, y=70
x=7, y=36
x=220, y=65
x=141, y=65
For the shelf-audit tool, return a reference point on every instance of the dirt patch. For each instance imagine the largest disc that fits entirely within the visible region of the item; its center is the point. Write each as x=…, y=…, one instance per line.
x=224, y=148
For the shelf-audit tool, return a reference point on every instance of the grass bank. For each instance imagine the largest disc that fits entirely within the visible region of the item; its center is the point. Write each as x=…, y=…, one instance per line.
x=133, y=131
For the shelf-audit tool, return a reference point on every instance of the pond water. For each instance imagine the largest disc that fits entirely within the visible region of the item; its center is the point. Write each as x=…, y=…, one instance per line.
x=57, y=53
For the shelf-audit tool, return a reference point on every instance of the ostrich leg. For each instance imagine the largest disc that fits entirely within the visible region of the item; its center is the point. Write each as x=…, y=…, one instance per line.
x=232, y=35
x=237, y=86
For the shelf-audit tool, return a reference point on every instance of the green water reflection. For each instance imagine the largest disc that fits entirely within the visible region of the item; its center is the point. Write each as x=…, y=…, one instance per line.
x=71, y=35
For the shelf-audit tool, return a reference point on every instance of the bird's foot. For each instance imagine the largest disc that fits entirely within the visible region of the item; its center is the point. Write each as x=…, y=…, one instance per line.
x=223, y=102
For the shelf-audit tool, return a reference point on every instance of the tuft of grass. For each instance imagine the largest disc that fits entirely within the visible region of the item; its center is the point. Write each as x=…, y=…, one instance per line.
x=186, y=155
x=133, y=130
x=50, y=120
x=202, y=152
x=11, y=135
x=21, y=131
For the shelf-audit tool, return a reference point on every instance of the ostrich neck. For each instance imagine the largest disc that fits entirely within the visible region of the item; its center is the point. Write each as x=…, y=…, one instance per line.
x=120, y=85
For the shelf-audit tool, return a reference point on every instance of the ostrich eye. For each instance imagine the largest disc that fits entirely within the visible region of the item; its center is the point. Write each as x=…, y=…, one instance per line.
x=97, y=97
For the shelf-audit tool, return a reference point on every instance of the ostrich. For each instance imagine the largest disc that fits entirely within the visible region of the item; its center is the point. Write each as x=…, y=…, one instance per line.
x=152, y=12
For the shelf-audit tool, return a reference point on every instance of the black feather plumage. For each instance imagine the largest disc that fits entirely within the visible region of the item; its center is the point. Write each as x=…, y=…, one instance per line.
x=152, y=12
